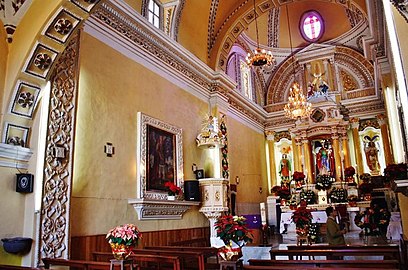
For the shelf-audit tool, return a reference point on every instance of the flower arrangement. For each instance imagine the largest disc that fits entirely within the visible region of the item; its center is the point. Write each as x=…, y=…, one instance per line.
x=352, y=198
x=323, y=182
x=172, y=189
x=122, y=239
x=309, y=196
x=233, y=229
x=293, y=202
x=396, y=171
x=284, y=193
x=298, y=176
x=276, y=190
x=338, y=195
x=302, y=216
x=349, y=171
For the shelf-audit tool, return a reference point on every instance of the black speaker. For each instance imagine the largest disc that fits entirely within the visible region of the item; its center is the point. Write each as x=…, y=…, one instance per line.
x=25, y=183
x=199, y=174
x=191, y=190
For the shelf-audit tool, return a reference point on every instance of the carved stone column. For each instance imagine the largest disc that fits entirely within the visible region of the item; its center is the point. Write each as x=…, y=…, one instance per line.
x=296, y=144
x=356, y=142
x=307, y=169
x=389, y=159
x=214, y=199
x=337, y=157
x=57, y=180
x=346, y=151
x=270, y=137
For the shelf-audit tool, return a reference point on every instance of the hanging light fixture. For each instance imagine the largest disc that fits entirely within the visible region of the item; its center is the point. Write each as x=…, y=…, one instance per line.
x=297, y=106
x=259, y=57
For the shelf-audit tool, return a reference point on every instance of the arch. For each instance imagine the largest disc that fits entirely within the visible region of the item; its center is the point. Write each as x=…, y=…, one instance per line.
x=345, y=57
x=239, y=19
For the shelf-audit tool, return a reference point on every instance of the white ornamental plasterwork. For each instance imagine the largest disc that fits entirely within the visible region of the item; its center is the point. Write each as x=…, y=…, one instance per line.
x=53, y=239
x=402, y=7
x=160, y=209
x=11, y=13
x=141, y=38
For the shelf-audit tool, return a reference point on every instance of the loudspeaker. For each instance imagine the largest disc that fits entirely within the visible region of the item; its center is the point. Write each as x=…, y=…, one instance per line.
x=199, y=174
x=191, y=190
x=25, y=182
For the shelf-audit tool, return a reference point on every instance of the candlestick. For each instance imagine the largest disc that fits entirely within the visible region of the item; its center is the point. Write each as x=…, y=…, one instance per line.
x=263, y=213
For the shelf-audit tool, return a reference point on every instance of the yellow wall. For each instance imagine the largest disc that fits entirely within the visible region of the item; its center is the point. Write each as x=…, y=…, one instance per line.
x=246, y=151
x=3, y=61
x=192, y=32
x=110, y=95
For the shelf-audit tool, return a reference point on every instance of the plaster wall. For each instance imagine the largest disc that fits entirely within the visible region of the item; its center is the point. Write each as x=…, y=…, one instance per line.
x=112, y=89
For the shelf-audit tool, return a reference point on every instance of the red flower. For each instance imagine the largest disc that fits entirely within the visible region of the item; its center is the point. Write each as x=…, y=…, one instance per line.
x=349, y=171
x=298, y=176
x=172, y=189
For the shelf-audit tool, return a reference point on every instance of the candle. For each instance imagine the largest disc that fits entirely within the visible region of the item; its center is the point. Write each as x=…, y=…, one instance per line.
x=263, y=213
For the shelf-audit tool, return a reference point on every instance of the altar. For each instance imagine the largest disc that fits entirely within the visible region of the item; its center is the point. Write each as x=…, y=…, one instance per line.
x=286, y=219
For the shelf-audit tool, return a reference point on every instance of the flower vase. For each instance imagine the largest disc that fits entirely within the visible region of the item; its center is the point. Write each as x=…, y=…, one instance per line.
x=302, y=231
x=121, y=251
x=229, y=253
x=171, y=197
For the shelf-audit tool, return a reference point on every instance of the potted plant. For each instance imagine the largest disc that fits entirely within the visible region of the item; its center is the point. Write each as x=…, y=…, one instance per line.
x=299, y=178
x=352, y=200
x=396, y=171
x=172, y=190
x=123, y=239
x=275, y=190
x=323, y=182
x=309, y=196
x=338, y=195
x=349, y=173
x=233, y=231
x=302, y=217
x=284, y=195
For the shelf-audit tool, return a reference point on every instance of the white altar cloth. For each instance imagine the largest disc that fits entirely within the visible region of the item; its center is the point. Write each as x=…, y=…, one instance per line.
x=286, y=218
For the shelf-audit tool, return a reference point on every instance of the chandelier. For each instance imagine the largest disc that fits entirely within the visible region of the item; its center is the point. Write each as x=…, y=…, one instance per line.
x=297, y=106
x=259, y=57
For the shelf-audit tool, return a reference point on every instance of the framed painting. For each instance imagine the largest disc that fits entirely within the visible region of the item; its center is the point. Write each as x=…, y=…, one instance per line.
x=159, y=157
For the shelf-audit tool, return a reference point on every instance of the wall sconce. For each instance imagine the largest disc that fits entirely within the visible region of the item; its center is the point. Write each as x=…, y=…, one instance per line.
x=260, y=190
x=237, y=180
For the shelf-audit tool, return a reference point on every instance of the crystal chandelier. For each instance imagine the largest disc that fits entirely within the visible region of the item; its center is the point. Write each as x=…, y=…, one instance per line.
x=259, y=57
x=297, y=106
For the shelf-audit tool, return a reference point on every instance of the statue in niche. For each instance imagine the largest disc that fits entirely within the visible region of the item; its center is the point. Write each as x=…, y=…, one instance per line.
x=318, y=86
x=371, y=153
x=285, y=168
x=324, y=158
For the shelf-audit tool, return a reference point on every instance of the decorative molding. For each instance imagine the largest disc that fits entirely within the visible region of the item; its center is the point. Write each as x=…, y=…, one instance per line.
x=25, y=99
x=160, y=209
x=14, y=153
x=53, y=238
x=402, y=7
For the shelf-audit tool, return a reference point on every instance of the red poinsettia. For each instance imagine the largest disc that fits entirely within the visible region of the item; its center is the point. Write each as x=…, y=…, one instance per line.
x=349, y=171
x=302, y=217
x=298, y=176
x=172, y=189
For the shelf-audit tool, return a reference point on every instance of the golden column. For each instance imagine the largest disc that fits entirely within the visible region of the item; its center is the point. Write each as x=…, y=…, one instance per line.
x=389, y=159
x=307, y=157
x=270, y=137
x=356, y=142
x=346, y=151
x=337, y=156
x=296, y=153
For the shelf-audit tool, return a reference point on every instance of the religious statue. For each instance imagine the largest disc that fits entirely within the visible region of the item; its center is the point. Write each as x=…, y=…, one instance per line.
x=325, y=160
x=285, y=168
x=371, y=153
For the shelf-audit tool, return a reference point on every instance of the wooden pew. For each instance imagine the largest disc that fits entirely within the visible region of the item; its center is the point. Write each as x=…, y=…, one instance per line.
x=196, y=242
x=253, y=267
x=208, y=252
x=386, y=252
x=144, y=260
x=76, y=263
x=15, y=267
x=383, y=264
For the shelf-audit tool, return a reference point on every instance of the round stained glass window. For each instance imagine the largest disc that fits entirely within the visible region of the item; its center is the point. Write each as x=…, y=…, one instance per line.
x=311, y=26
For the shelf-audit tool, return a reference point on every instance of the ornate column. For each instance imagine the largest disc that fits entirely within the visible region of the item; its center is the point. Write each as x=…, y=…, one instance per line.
x=389, y=159
x=214, y=199
x=307, y=169
x=296, y=153
x=270, y=137
x=356, y=142
x=337, y=157
x=346, y=151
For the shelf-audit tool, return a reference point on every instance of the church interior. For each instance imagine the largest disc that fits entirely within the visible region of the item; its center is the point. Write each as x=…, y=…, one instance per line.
x=253, y=108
